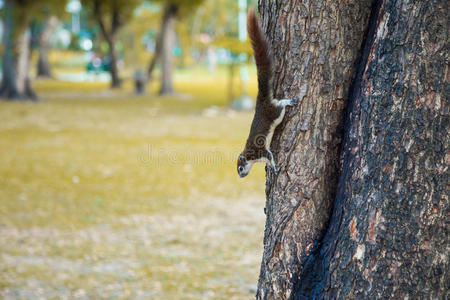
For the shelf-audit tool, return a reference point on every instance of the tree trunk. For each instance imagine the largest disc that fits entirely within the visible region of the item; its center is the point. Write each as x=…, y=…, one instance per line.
x=16, y=55
x=315, y=45
x=110, y=37
x=113, y=68
x=169, y=10
x=43, y=67
x=167, y=44
x=158, y=45
x=386, y=237
x=152, y=64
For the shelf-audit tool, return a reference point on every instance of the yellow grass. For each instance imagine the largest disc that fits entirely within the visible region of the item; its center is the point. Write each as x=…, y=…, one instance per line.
x=107, y=195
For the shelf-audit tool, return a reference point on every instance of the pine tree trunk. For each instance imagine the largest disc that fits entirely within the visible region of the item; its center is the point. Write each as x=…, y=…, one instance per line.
x=369, y=222
x=43, y=67
x=16, y=55
x=167, y=45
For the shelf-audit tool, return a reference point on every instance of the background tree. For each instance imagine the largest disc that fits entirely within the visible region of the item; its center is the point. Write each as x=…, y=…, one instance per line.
x=16, y=55
x=44, y=24
x=18, y=15
x=43, y=65
x=386, y=191
x=223, y=29
x=138, y=33
x=111, y=15
x=166, y=39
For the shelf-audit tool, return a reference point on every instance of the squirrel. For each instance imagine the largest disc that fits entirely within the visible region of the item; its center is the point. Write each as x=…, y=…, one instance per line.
x=269, y=112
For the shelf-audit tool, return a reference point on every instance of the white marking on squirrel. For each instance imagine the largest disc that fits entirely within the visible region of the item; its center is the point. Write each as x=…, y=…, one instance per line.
x=269, y=112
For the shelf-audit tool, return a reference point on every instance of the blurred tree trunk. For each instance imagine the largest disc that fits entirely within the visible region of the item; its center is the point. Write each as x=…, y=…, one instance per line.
x=155, y=58
x=115, y=79
x=369, y=222
x=158, y=44
x=43, y=66
x=16, y=54
x=110, y=37
x=167, y=44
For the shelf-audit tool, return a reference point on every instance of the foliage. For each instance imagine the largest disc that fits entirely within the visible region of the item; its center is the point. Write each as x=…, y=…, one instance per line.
x=137, y=33
x=219, y=20
x=49, y=7
x=110, y=17
x=112, y=12
x=27, y=10
x=185, y=6
x=233, y=44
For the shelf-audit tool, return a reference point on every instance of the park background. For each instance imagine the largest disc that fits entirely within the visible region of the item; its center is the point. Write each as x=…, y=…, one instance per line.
x=107, y=191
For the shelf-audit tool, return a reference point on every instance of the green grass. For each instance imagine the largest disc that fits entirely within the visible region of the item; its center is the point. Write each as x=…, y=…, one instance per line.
x=106, y=194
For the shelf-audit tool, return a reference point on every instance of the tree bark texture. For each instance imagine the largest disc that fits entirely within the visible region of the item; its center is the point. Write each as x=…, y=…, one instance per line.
x=387, y=236
x=167, y=44
x=43, y=66
x=316, y=47
x=16, y=54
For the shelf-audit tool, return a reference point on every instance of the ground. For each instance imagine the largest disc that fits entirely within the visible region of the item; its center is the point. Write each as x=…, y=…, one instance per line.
x=104, y=194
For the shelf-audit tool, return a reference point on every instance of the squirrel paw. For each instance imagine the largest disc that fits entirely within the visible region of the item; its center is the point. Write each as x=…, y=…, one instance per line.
x=287, y=102
x=293, y=102
x=274, y=169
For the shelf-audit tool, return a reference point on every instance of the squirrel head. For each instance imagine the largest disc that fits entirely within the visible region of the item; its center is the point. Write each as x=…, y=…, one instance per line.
x=243, y=166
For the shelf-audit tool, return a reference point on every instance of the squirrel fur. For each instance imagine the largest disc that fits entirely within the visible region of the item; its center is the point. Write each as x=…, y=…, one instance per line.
x=269, y=112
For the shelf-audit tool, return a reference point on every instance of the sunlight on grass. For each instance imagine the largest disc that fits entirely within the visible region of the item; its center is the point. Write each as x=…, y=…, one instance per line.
x=106, y=194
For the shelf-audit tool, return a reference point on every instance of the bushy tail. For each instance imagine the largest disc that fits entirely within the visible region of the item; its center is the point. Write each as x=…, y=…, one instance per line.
x=261, y=53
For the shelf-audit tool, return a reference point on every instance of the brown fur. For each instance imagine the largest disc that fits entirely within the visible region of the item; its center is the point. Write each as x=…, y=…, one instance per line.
x=266, y=112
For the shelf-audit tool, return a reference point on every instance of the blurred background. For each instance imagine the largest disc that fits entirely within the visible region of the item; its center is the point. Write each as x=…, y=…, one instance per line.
x=118, y=179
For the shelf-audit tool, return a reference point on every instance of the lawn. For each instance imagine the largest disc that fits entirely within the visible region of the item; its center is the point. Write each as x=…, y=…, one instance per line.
x=104, y=194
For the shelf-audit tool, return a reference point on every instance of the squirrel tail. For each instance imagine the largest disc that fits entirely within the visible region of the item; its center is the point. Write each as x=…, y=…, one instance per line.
x=261, y=52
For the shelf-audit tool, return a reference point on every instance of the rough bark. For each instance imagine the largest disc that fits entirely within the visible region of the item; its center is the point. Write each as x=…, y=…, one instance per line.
x=16, y=55
x=110, y=36
x=316, y=46
x=388, y=237
x=387, y=233
x=43, y=66
x=167, y=44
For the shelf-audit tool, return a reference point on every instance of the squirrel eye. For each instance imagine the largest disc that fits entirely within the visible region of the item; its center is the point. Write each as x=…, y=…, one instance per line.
x=241, y=168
